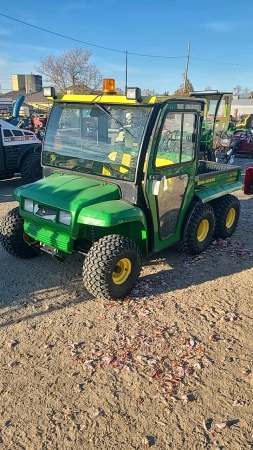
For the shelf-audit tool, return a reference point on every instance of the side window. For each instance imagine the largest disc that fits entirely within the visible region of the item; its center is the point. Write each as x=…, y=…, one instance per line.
x=188, y=137
x=222, y=108
x=177, y=139
x=7, y=133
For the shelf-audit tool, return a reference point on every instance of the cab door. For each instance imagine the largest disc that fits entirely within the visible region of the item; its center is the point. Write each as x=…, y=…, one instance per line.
x=171, y=168
x=222, y=116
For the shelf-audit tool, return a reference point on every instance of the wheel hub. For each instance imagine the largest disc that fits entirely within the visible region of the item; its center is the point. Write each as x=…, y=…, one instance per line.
x=230, y=217
x=121, y=271
x=203, y=230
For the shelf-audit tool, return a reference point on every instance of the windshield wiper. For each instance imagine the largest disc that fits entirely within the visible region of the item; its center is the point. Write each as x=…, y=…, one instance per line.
x=105, y=110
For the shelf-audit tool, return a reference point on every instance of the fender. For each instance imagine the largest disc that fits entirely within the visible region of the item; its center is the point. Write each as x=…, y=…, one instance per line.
x=111, y=213
x=208, y=194
x=126, y=219
x=27, y=149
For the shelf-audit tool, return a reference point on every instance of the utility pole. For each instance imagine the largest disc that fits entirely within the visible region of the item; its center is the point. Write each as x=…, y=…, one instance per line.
x=186, y=67
x=126, y=75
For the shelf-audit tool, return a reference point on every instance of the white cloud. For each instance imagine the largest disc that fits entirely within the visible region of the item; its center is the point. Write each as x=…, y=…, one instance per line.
x=221, y=26
x=4, y=32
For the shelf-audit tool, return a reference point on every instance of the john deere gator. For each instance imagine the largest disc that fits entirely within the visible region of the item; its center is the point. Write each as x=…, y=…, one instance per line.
x=122, y=179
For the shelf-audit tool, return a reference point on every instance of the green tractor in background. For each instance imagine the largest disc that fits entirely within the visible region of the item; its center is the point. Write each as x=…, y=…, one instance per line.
x=216, y=120
x=124, y=177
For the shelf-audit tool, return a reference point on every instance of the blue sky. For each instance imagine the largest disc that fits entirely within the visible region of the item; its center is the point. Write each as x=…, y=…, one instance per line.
x=218, y=33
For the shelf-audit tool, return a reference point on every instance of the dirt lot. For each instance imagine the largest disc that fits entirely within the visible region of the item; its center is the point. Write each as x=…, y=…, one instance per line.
x=168, y=368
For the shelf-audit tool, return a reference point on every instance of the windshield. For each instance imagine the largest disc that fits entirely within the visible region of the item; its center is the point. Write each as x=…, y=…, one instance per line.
x=97, y=139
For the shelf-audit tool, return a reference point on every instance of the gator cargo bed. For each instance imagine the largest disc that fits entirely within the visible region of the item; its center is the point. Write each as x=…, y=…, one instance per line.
x=213, y=179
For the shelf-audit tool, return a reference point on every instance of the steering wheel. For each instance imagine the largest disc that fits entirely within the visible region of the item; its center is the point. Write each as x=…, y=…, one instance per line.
x=117, y=174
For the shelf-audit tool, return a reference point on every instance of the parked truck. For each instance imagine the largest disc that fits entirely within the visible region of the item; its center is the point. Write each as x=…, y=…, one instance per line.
x=20, y=152
x=122, y=179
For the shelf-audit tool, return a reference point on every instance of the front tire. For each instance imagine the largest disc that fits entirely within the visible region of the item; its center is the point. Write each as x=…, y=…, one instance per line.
x=12, y=236
x=227, y=213
x=112, y=267
x=30, y=168
x=199, y=230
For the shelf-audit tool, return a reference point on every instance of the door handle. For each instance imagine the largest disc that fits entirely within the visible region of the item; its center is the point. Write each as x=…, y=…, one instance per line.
x=155, y=177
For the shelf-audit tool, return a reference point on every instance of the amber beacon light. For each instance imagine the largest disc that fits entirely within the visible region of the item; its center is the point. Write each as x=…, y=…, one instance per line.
x=109, y=85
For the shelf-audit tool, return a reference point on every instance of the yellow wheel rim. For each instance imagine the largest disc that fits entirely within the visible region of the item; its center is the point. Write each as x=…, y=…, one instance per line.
x=121, y=271
x=202, y=231
x=230, y=217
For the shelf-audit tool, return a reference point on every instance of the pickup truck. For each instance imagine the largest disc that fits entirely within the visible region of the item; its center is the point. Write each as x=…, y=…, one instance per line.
x=122, y=180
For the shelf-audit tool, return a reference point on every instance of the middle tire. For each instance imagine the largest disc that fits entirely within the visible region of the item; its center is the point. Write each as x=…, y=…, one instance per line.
x=199, y=229
x=227, y=213
x=112, y=267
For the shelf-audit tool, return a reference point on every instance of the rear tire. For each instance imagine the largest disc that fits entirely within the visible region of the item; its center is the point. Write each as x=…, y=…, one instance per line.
x=30, y=168
x=112, y=267
x=227, y=213
x=13, y=238
x=199, y=230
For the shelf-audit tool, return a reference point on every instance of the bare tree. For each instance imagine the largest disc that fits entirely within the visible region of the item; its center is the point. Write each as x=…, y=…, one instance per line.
x=184, y=89
x=119, y=91
x=245, y=93
x=71, y=72
x=237, y=90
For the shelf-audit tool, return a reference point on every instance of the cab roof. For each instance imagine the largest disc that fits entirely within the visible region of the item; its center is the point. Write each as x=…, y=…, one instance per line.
x=121, y=99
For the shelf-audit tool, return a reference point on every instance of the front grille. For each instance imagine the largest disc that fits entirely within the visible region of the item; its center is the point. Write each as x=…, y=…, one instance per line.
x=61, y=241
x=45, y=212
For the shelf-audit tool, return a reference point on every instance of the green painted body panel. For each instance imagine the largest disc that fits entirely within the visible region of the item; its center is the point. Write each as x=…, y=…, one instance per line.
x=110, y=214
x=208, y=194
x=68, y=192
x=218, y=177
x=59, y=240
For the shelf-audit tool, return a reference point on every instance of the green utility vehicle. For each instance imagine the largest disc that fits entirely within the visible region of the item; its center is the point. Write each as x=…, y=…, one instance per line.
x=122, y=180
x=216, y=121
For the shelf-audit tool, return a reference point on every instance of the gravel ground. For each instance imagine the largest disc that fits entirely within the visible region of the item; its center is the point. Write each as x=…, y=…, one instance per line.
x=170, y=367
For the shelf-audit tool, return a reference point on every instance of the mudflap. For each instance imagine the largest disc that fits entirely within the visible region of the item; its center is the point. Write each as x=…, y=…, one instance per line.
x=248, y=181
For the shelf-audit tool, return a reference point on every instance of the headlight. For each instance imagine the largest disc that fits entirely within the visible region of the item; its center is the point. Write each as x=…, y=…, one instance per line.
x=65, y=217
x=28, y=205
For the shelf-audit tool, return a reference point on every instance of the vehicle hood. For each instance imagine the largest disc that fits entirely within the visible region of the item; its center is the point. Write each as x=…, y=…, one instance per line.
x=68, y=192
